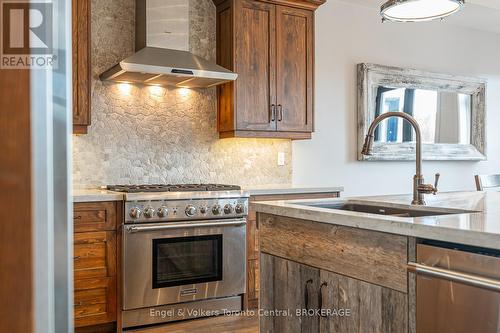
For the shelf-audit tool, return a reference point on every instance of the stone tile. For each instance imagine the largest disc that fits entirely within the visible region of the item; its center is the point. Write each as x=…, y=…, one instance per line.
x=143, y=134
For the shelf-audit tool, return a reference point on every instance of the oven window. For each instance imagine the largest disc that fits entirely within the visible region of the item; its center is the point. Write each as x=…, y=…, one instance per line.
x=186, y=260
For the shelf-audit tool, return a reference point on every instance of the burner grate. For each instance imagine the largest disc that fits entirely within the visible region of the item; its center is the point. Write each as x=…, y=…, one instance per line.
x=172, y=188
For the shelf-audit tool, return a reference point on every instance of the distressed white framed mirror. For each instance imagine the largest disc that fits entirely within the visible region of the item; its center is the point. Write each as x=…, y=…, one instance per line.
x=451, y=111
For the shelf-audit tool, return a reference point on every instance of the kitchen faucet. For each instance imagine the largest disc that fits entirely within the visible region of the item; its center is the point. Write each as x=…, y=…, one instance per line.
x=419, y=188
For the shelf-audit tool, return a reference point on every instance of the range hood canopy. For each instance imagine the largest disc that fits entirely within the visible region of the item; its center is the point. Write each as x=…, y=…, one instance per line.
x=160, y=59
x=167, y=67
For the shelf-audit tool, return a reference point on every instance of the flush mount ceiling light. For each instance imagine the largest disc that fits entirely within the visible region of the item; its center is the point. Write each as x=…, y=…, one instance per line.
x=419, y=10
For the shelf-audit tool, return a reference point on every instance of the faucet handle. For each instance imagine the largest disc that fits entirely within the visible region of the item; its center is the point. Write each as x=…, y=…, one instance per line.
x=436, y=182
x=429, y=188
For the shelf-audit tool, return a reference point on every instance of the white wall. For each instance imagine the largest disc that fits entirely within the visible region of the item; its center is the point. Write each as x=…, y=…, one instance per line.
x=348, y=34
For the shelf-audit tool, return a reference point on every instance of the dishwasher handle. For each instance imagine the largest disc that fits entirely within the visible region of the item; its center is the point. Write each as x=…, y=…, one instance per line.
x=454, y=276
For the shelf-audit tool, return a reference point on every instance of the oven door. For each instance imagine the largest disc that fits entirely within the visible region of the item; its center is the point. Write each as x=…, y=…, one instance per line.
x=168, y=263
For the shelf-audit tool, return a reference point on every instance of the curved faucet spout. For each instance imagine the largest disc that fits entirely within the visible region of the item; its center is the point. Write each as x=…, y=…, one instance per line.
x=419, y=188
x=368, y=145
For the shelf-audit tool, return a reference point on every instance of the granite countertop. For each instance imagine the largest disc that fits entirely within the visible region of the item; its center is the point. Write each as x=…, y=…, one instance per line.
x=481, y=228
x=90, y=195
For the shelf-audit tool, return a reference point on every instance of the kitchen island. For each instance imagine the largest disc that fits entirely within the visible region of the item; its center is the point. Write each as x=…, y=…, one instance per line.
x=349, y=271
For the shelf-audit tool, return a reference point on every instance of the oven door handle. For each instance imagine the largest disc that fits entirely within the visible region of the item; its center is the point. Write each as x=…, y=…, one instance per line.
x=454, y=276
x=135, y=228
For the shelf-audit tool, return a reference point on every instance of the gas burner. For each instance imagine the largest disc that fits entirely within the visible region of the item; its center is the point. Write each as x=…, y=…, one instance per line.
x=172, y=188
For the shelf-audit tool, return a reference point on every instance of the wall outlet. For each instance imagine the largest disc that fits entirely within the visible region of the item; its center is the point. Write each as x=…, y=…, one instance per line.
x=281, y=158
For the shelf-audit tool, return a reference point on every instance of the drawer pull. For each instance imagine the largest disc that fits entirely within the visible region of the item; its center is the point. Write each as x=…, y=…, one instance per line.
x=273, y=112
x=306, y=293
x=78, y=217
x=77, y=258
x=320, y=298
x=78, y=304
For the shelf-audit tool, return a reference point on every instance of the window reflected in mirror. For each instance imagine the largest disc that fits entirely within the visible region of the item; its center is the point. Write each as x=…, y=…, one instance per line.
x=444, y=117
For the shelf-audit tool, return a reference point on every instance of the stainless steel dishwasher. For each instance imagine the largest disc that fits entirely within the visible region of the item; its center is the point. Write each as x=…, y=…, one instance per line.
x=458, y=290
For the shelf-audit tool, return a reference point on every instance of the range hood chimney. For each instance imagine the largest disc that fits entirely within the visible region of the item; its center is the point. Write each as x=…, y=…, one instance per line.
x=162, y=56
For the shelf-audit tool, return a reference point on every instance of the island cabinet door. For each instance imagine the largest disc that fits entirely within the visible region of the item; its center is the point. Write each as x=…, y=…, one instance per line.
x=288, y=289
x=351, y=305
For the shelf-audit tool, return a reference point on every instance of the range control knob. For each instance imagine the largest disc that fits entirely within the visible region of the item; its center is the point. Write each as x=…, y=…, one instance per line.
x=135, y=213
x=216, y=210
x=228, y=209
x=239, y=209
x=162, y=211
x=190, y=210
x=149, y=212
x=203, y=210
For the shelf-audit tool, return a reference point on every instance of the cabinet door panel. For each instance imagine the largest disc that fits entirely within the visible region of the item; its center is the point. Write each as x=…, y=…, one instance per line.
x=255, y=65
x=95, y=301
x=81, y=65
x=94, y=254
x=288, y=286
x=294, y=44
x=371, y=308
x=94, y=216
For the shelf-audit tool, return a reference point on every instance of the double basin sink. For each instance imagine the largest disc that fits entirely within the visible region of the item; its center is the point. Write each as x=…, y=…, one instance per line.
x=383, y=209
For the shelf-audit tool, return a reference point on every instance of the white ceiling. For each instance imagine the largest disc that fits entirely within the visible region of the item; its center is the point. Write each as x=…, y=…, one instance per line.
x=478, y=14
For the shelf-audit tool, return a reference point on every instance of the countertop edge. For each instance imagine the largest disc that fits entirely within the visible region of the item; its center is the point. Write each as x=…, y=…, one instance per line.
x=96, y=195
x=404, y=228
x=292, y=190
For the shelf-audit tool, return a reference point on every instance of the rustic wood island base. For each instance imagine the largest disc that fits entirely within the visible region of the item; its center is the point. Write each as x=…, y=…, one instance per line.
x=330, y=278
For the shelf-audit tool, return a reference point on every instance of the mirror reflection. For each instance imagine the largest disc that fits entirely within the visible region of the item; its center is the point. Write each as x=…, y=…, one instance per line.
x=444, y=117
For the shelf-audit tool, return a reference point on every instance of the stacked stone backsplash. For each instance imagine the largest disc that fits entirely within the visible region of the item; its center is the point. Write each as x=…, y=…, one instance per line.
x=142, y=134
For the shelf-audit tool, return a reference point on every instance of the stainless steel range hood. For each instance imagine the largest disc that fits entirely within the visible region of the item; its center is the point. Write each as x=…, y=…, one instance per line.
x=165, y=66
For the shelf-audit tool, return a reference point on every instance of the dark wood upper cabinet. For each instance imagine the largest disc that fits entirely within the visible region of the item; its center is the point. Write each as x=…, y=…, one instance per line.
x=270, y=44
x=294, y=71
x=81, y=65
x=258, y=88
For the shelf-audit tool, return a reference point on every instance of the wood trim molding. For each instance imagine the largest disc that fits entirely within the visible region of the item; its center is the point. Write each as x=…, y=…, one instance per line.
x=80, y=129
x=82, y=65
x=304, y=4
x=269, y=135
x=16, y=238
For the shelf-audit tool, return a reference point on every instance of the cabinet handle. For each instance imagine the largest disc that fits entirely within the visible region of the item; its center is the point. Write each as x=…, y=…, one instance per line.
x=78, y=217
x=306, y=293
x=77, y=258
x=273, y=112
x=280, y=112
x=320, y=298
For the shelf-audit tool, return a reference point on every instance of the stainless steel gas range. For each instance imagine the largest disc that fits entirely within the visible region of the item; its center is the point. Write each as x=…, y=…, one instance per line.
x=183, y=251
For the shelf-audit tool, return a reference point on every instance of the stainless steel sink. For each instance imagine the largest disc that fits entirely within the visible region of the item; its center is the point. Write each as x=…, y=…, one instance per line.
x=381, y=209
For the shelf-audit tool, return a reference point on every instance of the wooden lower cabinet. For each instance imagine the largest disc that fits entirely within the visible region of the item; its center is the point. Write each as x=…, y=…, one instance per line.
x=253, y=249
x=95, y=301
x=95, y=266
x=289, y=287
x=334, y=302
x=372, y=308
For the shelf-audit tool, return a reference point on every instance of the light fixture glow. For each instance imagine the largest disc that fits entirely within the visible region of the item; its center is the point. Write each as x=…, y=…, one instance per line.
x=125, y=88
x=157, y=90
x=184, y=92
x=419, y=10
